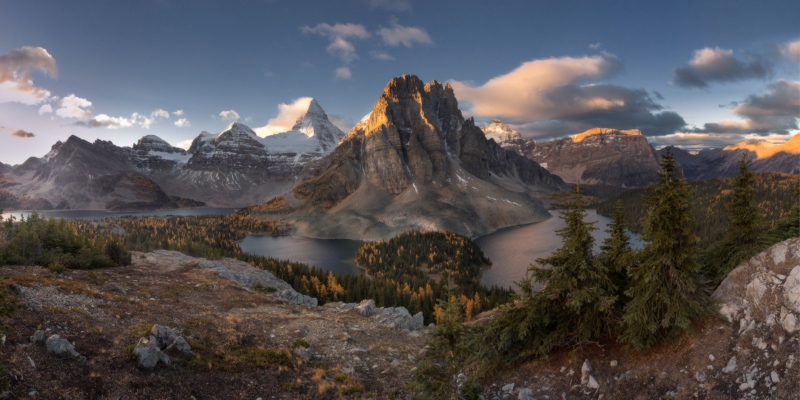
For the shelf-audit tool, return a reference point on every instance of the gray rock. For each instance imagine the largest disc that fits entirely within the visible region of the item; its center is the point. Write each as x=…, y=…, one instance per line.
x=774, y=377
x=58, y=346
x=509, y=388
x=701, y=377
x=613, y=363
x=303, y=353
x=149, y=355
x=593, y=384
x=525, y=394
x=731, y=366
x=162, y=336
x=586, y=368
x=366, y=307
x=180, y=345
x=37, y=337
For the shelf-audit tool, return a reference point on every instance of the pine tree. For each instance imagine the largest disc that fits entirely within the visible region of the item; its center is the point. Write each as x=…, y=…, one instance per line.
x=574, y=306
x=617, y=255
x=665, y=289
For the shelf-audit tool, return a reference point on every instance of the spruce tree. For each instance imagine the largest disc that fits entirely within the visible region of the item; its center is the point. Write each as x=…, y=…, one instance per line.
x=743, y=237
x=665, y=290
x=617, y=256
x=574, y=306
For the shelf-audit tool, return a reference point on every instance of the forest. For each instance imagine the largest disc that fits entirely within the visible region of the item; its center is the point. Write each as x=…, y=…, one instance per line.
x=59, y=244
x=773, y=195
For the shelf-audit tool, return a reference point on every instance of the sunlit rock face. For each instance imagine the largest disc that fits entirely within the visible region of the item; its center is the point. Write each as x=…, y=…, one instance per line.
x=415, y=147
x=603, y=156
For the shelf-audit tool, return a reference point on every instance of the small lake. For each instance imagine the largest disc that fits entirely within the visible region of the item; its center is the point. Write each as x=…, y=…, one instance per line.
x=510, y=249
x=513, y=249
x=335, y=255
x=100, y=214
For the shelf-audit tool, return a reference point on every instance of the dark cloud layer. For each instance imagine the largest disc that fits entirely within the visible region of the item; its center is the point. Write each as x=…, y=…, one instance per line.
x=775, y=111
x=720, y=66
x=22, y=134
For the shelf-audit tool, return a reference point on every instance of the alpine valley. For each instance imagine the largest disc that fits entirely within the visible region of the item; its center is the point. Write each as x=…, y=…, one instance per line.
x=414, y=162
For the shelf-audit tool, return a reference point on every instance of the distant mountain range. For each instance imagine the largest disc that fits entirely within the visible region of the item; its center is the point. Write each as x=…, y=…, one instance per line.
x=624, y=158
x=413, y=162
x=234, y=168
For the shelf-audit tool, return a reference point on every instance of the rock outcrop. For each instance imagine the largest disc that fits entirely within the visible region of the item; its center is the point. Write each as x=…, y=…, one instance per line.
x=416, y=152
x=231, y=269
x=602, y=156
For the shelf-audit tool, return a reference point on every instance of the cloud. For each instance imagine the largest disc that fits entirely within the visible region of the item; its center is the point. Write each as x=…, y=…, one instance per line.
x=45, y=109
x=381, y=55
x=185, y=144
x=558, y=96
x=178, y=113
x=74, y=107
x=16, y=67
x=338, y=35
x=699, y=141
x=391, y=5
x=22, y=134
x=229, y=115
x=792, y=50
x=595, y=46
x=159, y=114
x=287, y=116
x=106, y=121
x=406, y=35
x=342, y=73
x=773, y=112
x=183, y=123
x=719, y=65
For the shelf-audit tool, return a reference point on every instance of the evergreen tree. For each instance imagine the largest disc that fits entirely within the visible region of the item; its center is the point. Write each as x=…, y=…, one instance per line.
x=742, y=239
x=665, y=290
x=617, y=256
x=574, y=306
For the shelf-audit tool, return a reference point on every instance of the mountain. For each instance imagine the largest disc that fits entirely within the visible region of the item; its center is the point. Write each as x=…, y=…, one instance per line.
x=601, y=156
x=415, y=162
x=508, y=138
x=234, y=168
x=724, y=162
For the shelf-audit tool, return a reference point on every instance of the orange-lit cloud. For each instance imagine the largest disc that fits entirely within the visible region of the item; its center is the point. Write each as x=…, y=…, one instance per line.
x=287, y=116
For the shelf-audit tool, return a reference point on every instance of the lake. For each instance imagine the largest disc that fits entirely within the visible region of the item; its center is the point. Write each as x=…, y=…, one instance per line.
x=513, y=249
x=510, y=249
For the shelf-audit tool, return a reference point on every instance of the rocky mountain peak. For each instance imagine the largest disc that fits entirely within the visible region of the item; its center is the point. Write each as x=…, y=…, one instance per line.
x=605, y=131
x=154, y=143
x=315, y=123
x=500, y=132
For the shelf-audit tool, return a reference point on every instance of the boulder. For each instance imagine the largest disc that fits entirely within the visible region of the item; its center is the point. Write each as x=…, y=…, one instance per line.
x=149, y=355
x=366, y=307
x=59, y=346
x=162, y=336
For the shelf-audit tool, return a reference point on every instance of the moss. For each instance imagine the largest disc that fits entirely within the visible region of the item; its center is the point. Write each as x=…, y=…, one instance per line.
x=300, y=342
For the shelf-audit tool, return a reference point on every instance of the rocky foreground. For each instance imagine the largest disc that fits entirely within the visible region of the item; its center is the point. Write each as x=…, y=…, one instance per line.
x=174, y=326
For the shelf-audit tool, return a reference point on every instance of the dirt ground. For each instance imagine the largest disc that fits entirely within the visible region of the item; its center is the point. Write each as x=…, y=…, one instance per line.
x=248, y=345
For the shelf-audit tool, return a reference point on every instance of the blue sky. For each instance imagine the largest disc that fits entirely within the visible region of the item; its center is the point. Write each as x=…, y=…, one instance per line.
x=691, y=73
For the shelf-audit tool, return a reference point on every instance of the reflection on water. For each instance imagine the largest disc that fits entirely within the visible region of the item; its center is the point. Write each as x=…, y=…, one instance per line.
x=100, y=214
x=512, y=250
x=335, y=255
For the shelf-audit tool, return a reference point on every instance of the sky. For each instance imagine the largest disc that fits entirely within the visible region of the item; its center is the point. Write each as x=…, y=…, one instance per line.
x=688, y=73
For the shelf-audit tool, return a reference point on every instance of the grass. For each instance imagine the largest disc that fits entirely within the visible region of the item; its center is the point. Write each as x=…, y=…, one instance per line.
x=256, y=357
x=300, y=342
x=265, y=289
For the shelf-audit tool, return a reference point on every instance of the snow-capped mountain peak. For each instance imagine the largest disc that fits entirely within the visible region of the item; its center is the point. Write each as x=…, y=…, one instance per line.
x=500, y=132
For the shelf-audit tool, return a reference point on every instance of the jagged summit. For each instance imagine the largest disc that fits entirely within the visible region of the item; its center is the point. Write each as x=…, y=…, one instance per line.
x=605, y=131
x=414, y=162
x=500, y=132
x=315, y=123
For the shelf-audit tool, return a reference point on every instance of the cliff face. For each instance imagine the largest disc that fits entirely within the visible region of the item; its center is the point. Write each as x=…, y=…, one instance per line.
x=416, y=149
x=601, y=156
